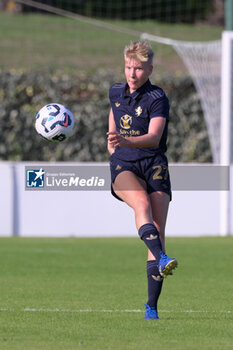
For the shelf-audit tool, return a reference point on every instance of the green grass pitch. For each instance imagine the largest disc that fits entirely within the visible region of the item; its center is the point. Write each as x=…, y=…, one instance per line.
x=38, y=41
x=89, y=294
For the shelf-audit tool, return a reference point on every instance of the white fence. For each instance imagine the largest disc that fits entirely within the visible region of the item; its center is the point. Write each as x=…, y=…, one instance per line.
x=97, y=213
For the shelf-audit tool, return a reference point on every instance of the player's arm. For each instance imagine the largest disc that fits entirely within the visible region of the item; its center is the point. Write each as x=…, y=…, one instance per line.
x=111, y=130
x=151, y=139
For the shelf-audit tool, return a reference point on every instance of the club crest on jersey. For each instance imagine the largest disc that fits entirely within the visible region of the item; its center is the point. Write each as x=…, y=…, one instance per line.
x=117, y=104
x=126, y=121
x=138, y=111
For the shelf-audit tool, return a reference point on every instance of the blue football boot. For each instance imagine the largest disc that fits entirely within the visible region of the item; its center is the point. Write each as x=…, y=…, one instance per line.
x=166, y=265
x=150, y=313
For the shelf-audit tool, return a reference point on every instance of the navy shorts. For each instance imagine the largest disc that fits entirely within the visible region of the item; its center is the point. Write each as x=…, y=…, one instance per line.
x=154, y=171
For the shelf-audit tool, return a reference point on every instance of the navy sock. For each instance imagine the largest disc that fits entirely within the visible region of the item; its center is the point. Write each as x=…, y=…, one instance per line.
x=155, y=282
x=150, y=236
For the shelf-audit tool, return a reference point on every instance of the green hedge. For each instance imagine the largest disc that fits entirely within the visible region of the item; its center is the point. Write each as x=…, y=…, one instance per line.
x=23, y=94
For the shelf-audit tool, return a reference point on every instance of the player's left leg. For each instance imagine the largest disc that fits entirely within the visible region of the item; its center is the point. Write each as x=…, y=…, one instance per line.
x=159, y=206
x=131, y=189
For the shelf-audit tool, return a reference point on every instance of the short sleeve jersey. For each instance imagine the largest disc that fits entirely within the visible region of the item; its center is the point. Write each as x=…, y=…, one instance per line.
x=132, y=115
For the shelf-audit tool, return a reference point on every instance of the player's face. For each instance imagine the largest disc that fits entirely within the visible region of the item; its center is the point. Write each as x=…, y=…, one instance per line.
x=137, y=73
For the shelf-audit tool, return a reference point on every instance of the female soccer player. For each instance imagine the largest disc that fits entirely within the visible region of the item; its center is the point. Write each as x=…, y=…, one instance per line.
x=138, y=126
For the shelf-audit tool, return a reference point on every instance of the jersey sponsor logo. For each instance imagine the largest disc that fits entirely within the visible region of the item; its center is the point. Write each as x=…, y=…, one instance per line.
x=126, y=121
x=138, y=111
x=130, y=132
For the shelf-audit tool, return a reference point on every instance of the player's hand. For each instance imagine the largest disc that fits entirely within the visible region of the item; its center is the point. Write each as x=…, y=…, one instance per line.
x=115, y=139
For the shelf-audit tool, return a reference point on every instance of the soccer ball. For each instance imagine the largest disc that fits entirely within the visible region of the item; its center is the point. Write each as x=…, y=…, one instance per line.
x=54, y=122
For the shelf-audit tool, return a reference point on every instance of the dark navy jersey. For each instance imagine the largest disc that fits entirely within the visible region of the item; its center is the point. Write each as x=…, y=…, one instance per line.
x=132, y=115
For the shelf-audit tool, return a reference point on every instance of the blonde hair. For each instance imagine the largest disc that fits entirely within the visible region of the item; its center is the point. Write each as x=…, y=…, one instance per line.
x=139, y=50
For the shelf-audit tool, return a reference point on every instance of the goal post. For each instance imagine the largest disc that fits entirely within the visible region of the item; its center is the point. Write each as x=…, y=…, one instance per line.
x=226, y=154
x=226, y=97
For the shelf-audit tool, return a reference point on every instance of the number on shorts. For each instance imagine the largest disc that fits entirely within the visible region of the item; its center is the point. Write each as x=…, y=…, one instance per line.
x=161, y=172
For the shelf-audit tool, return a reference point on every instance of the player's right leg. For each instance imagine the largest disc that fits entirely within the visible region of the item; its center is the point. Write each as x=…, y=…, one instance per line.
x=154, y=287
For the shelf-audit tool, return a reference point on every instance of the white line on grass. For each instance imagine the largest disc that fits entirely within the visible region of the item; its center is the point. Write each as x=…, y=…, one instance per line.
x=110, y=311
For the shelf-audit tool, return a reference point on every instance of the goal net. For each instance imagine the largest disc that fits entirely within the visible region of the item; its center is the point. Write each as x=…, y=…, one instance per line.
x=203, y=60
